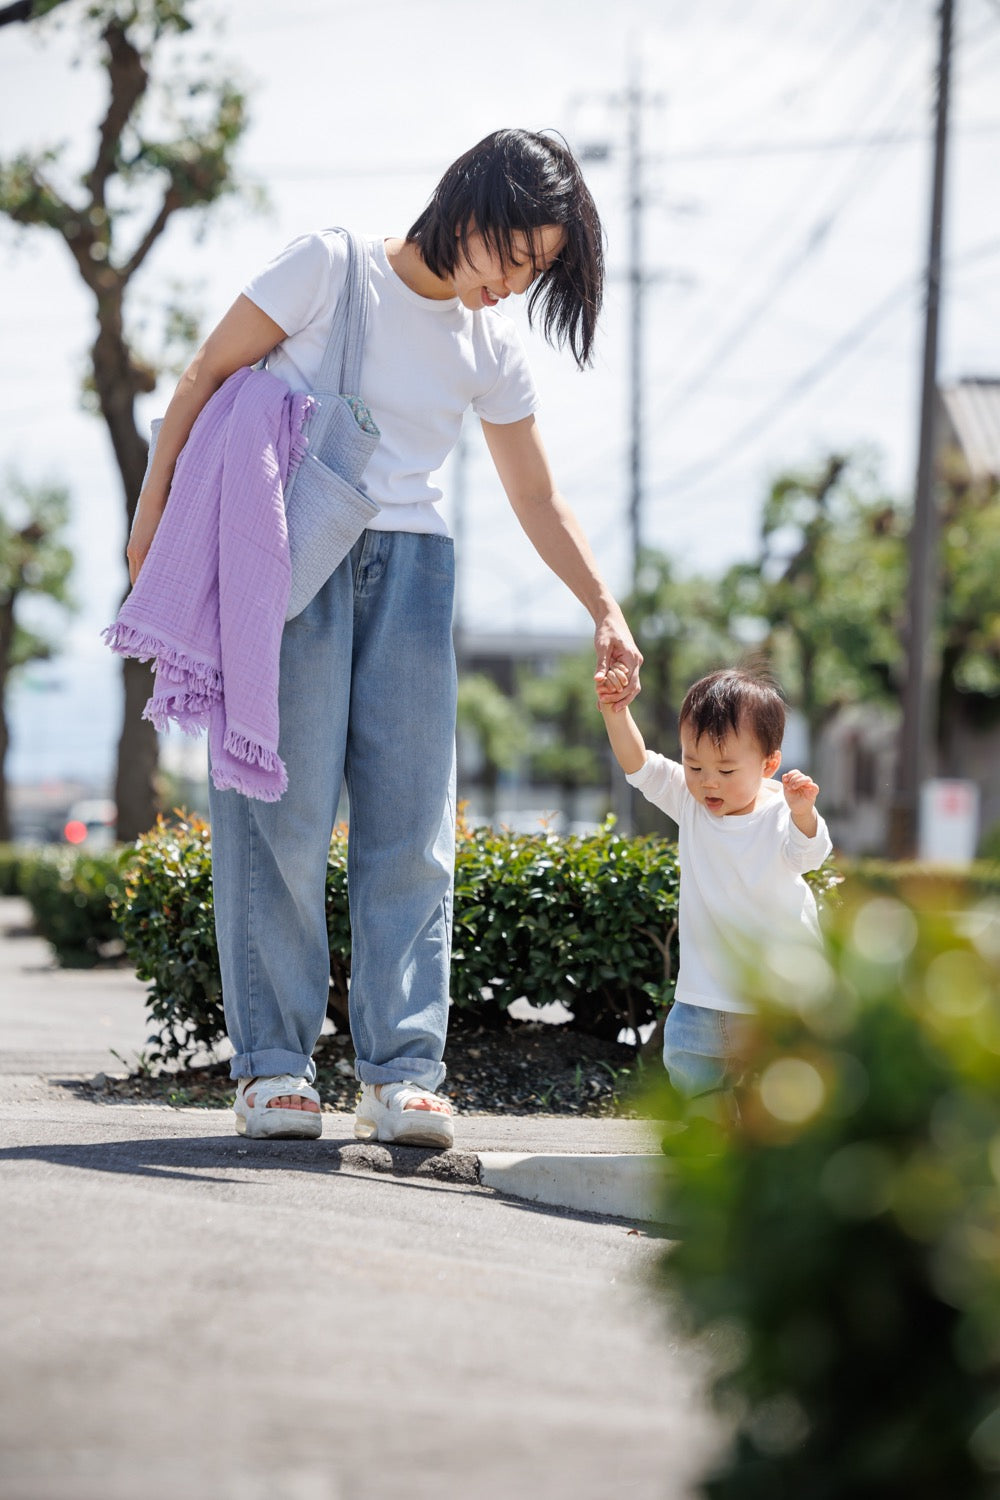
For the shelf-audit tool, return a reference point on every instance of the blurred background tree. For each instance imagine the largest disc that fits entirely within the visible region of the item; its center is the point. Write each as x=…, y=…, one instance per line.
x=34, y=561
x=969, y=614
x=568, y=745
x=493, y=727
x=165, y=146
x=823, y=598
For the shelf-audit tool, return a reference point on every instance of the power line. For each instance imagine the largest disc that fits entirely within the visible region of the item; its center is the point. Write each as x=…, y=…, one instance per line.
x=752, y=150
x=836, y=55
x=780, y=279
x=821, y=147
x=763, y=418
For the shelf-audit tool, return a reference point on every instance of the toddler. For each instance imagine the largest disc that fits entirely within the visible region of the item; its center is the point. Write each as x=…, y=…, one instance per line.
x=744, y=842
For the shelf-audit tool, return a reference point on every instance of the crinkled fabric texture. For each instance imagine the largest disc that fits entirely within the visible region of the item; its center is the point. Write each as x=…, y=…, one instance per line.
x=209, y=605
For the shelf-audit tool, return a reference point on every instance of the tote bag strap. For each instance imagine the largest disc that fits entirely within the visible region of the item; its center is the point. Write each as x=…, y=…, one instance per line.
x=340, y=372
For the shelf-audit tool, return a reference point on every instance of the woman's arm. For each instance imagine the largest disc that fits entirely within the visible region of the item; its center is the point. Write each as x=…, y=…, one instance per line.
x=244, y=336
x=554, y=532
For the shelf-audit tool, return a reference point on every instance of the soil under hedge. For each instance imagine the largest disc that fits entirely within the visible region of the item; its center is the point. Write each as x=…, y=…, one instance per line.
x=525, y=1067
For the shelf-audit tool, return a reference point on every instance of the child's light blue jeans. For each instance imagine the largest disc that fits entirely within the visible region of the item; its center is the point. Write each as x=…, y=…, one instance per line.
x=367, y=696
x=702, y=1047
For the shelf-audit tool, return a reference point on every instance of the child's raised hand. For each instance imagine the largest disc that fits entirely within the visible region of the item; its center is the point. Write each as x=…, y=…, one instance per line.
x=800, y=791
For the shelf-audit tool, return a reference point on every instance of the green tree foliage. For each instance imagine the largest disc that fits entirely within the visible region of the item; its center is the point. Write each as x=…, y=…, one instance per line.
x=969, y=611
x=34, y=563
x=825, y=595
x=165, y=146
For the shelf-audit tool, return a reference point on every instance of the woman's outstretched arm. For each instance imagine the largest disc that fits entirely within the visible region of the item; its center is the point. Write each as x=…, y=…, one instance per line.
x=553, y=530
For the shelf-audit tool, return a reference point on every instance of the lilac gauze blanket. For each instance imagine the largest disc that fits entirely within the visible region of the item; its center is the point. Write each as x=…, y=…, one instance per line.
x=209, y=604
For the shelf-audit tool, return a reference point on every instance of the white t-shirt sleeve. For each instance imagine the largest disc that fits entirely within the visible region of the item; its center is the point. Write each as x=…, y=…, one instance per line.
x=512, y=395
x=301, y=282
x=802, y=853
x=661, y=781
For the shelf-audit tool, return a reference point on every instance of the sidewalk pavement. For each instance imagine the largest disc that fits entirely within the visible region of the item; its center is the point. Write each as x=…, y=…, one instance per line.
x=58, y=1026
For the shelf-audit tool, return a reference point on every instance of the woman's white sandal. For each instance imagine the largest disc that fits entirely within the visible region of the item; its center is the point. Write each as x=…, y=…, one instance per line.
x=261, y=1122
x=388, y=1119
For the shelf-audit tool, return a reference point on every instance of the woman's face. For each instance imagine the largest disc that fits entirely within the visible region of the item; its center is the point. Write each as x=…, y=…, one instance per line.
x=482, y=279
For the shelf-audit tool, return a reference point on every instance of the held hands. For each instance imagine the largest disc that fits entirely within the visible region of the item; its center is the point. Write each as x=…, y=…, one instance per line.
x=618, y=662
x=616, y=686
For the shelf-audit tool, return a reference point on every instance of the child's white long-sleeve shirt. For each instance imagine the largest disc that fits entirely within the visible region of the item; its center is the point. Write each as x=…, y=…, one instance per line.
x=741, y=882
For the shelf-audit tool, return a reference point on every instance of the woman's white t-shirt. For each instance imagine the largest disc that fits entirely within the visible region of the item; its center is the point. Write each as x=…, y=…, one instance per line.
x=741, y=882
x=424, y=364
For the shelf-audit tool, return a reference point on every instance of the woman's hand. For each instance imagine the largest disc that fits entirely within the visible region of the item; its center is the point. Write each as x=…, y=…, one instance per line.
x=553, y=530
x=147, y=518
x=618, y=663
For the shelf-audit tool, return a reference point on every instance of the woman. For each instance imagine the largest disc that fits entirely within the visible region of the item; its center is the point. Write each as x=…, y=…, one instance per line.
x=367, y=673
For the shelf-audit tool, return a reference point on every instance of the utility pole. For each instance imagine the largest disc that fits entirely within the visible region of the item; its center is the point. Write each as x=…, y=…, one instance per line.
x=637, y=282
x=921, y=687
x=635, y=100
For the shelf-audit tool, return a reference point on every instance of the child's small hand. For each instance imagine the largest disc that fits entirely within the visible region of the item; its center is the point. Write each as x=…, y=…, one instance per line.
x=611, y=684
x=800, y=791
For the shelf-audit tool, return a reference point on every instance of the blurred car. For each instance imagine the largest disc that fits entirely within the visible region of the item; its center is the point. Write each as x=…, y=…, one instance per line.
x=91, y=823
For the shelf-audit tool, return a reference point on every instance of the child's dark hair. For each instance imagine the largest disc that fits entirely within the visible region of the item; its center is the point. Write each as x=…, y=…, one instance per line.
x=734, y=700
x=514, y=182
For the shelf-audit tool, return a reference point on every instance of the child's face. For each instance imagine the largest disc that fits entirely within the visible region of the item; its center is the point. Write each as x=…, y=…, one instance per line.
x=726, y=778
x=482, y=279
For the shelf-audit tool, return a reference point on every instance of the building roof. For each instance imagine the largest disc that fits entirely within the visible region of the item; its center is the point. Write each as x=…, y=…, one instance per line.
x=972, y=408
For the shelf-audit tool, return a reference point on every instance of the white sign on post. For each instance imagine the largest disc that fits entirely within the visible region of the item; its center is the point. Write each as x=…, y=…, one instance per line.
x=949, y=820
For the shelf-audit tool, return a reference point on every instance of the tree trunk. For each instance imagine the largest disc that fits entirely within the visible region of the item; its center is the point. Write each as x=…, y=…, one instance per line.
x=117, y=381
x=136, y=795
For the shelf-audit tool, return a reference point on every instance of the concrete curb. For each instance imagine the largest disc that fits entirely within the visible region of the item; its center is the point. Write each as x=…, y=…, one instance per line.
x=625, y=1187
x=620, y=1186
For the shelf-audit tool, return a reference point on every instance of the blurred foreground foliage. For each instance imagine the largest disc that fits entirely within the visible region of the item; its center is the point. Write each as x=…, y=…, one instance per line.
x=839, y=1259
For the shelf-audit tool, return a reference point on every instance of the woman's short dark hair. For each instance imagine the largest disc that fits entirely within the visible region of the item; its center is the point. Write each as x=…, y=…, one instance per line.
x=514, y=182
x=731, y=701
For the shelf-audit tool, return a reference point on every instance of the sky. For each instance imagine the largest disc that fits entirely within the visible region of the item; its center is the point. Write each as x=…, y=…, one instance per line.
x=783, y=162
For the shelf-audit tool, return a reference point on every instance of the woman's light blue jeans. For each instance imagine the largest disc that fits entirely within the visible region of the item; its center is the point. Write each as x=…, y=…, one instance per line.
x=702, y=1048
x=367, y=697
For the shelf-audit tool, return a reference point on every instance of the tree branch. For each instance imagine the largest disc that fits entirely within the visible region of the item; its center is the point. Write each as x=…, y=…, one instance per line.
x=27, y=10
x=128, y=79
x=172, y=201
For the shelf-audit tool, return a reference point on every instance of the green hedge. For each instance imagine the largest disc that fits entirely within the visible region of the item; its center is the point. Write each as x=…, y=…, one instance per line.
x=71, y=895
x=839, y=1255
x=588, y=921
x=13, y=858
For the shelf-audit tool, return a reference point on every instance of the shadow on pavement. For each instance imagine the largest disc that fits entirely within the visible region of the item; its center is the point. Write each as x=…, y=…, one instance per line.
x=186, y=1158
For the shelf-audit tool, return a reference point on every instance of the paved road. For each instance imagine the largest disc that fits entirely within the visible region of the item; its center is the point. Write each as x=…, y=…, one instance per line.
x=183, y=1312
